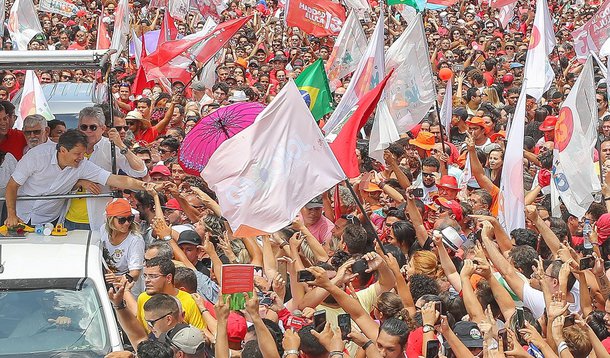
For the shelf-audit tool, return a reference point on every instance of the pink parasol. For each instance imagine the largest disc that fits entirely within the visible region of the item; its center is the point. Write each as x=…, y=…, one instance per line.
x=212, y=130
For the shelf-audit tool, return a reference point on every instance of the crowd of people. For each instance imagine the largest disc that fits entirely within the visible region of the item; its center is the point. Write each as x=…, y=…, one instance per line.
x=426, y=270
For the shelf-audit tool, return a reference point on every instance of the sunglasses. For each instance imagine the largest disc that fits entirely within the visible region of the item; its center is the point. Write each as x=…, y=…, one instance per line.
x=32, y=132
x=120, y=128
x=122, y=220
x=84, y=127
x=151, y=323
x=7, y=79
x=427, y=174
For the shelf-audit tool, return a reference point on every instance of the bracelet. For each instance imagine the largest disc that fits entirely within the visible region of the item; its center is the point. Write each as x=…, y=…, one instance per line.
x=289, y=352
x=367, y=344
x=335, y=353
x=606, y=199
x=561, y=346
x=204, y=310
x=120, y=306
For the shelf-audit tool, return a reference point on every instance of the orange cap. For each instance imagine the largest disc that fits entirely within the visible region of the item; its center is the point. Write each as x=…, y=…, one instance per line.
x=118, y=207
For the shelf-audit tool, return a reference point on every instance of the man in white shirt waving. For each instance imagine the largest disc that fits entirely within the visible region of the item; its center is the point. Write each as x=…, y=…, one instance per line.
x=54, y=169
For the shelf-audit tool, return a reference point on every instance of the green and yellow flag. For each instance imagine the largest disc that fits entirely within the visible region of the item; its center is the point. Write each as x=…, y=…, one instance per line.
x=313, y=84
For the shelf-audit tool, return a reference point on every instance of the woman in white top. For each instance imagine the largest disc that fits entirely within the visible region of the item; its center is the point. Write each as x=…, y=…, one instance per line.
x=123, y=246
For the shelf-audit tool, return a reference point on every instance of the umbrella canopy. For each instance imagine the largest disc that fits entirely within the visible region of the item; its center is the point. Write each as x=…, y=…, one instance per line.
x=212, y=130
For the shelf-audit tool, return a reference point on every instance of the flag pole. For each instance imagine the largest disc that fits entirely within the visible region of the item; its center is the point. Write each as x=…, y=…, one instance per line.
x=367, y=221
x=438, y=112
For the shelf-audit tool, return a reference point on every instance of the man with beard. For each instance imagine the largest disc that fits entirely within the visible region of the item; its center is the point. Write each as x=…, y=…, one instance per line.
x=35, y=130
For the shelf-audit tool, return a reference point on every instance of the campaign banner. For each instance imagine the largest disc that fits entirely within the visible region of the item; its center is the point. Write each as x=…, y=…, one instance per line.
x=60, y=7
x=317, y=18
x=592, y=35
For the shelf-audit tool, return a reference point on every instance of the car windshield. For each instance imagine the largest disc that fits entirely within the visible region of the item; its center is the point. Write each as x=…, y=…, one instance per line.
x=51, y=316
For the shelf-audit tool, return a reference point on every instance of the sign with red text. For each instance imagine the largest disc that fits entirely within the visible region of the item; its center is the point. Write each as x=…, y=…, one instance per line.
x=318, y=18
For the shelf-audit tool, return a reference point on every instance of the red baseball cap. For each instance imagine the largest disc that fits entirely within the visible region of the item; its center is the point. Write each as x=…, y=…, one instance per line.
x=448, y=182
x=548, y=124
x=453, y=205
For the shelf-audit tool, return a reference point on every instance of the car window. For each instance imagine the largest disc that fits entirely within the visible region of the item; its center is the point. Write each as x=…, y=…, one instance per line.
x=39, y=318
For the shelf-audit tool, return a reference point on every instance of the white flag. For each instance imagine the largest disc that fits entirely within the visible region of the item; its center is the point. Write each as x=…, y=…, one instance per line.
x=347, y=51
x=575, y=138
x=466, y=174
x=121, y=29
x=538, y=71
x=447, y=108
x=32, y=101
x=368, y=74
x=266, y=173
x=23, y=23
x=178, y=9
x=511, y=211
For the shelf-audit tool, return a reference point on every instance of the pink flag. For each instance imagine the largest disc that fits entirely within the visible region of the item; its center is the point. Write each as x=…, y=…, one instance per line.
x=511, y=210
x=592, y=35
x=265, y=174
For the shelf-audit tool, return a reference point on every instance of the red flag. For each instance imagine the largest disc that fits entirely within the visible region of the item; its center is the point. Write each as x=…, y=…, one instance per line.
x=103, y=39
x=172, y=59
x=344, y=145
x=500, y=3
x=168, y=31
x=140, y=82
x=316, y=17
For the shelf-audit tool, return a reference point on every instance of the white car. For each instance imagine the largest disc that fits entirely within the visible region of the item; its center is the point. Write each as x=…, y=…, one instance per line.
x=53, y=298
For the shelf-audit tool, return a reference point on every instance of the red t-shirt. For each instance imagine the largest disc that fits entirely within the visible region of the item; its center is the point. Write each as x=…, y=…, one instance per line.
x=148, y=136
x=14, y=143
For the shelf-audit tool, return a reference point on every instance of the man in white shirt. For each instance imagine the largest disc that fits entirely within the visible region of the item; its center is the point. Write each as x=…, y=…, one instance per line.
x=54, y=169
x=88, y=214
x=35, y=130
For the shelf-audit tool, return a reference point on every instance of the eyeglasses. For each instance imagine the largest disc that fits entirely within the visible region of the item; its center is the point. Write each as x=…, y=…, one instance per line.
x=91, y=127
x=129, y=123
x=66, y=76
x=8, y=79
x=163, y=151
x=123, y=219
x=427, y=174
x=121, y=128
x=151, y=323
x=32, y=132
x=151, y=276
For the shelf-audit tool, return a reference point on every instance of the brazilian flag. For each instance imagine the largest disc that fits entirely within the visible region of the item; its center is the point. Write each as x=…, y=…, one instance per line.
x=313, y=84
x=419, y=5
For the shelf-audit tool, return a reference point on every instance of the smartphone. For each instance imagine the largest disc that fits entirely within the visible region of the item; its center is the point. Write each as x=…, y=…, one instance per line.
x=360, y=266
x=282, y=270
x=432, y=349
x=344, y=322
x=265, y=300
x=502, y=333
x=568, y=321
x=458, y=67
x=417, y=192
x=587, y=262
x=438, y=306
x=305, y=276
x=520, y=323
x=129, y=278
x=319, y=320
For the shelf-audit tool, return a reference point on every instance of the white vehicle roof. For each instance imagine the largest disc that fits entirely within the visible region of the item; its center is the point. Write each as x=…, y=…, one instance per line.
x=38, y=256
x=54, y=60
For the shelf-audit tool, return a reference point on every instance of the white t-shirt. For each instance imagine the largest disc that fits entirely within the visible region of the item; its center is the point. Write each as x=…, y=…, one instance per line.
x=127, y=256
x=534, y=299
x=38, y=173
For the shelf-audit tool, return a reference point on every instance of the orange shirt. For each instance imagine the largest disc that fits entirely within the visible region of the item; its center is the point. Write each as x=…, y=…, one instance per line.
x=495, y=203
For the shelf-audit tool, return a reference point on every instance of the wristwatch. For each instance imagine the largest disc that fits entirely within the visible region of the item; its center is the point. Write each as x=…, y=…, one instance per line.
x=166, y=238
x=124, y=150
x=428, y=328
